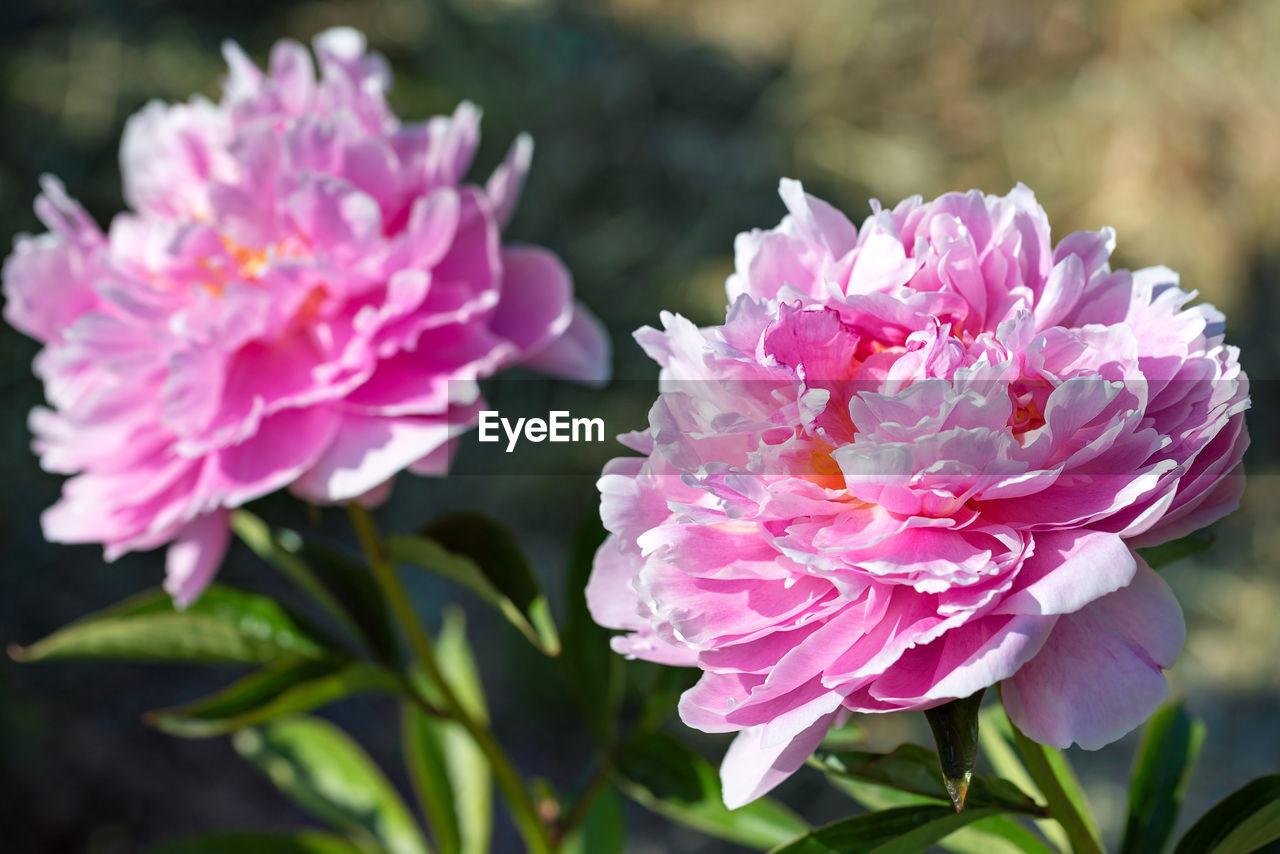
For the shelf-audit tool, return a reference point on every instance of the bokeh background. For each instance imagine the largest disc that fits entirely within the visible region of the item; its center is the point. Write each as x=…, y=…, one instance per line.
x=662, y=127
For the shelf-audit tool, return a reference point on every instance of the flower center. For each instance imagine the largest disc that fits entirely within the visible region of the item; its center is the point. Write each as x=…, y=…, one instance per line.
x=243, y=263
x=1029, y=398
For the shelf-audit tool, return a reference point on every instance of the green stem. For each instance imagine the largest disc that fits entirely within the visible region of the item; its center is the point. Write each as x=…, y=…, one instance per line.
x=578, y=813
x=523, y=811
x=1063, y=808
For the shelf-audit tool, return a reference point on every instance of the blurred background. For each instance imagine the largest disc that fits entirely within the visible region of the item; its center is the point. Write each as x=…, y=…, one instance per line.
x=662, y=127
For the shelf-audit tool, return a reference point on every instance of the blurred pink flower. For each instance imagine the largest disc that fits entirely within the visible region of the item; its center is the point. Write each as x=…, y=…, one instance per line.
x=303, y=294
x=914, y=462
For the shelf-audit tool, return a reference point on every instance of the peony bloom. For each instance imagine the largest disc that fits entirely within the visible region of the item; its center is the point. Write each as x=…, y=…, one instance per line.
x=913, y=462
x=303, y=294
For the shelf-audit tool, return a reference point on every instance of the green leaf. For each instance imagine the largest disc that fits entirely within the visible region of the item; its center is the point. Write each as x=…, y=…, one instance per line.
x=848, y=735
x=1243, y=822
x=594, y=670
x=224, y=626
x=660, y=773
x=286, y=687
x=483, y=556
x=353, y=585
x=603, y=832
x=995, y=735
x=662, y=696
x=466, y=766
x=326, y=773
x=999, y=834
x=1062, y=792
x=345, y=588
x=1164, y=554
x=1162, y=769
x=955, y=732
x=450, y=772
x=422, y=736
x=903, y=830
x=241, y=842
x=914, y=769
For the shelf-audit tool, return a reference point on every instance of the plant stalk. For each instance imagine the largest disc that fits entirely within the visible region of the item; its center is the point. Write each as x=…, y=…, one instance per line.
x=519, y=802
x=582, y=806
x=1062, y=809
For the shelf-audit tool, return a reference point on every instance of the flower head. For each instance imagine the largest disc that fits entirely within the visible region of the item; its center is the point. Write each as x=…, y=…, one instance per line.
x=303, y=294
x=914, y=461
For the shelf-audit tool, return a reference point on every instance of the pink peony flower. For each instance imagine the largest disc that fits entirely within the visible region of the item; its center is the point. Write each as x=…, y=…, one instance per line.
x=913, y=462
x=303, y=294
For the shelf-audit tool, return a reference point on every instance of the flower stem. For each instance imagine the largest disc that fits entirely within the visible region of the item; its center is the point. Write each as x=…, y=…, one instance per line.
x=523, y=811
x=582, y=806
x=1068, y=810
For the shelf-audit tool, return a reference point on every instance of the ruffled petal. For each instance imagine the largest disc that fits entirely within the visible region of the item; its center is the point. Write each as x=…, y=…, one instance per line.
x=195, y=555
x=1100, y=674
x=750, y=770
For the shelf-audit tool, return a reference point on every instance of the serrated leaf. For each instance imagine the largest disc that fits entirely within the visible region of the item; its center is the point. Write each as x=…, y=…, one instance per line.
x=660, y=773
x=1164, y=554
x=913, y=768
x=903, y=830
x=1162, y=768
x=239, y=842
x=224, y=626
x=955, y=732
x=483, y=556
x=594, y=670
x=1241, y=823
x=285, y=687
x=326, y=773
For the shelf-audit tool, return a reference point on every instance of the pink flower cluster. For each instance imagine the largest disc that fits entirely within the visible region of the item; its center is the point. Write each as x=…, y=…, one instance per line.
x=913, y=462
x=303, y=294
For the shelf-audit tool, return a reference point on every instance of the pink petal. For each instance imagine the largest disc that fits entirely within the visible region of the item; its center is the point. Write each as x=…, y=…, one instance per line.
x=537, y=298
x=816, y=220
x=610, y=598
x=243, y=77
x=963, y=661
x=35, y=262
x=750, y=770
x=168, y=155
x=195, y=555
x=613, y=603
x=1100, y=673
x=504, y=185
x=293, y=75
x=1069, y=570
x=436, y=463
x=582, y=352
x=284, y=445
x=367, y=450
x=62, y=259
